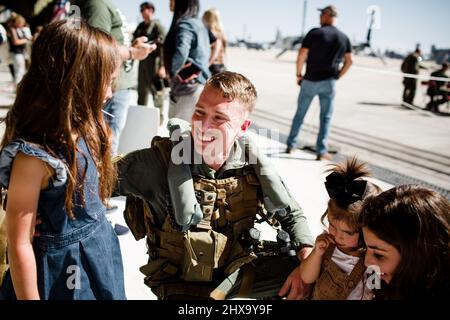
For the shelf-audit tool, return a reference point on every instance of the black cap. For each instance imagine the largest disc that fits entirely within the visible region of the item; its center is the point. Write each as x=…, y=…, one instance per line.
x=147, y=5
x=330, y=10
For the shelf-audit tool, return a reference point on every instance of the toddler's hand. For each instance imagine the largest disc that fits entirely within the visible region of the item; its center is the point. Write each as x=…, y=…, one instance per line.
x=323, y=241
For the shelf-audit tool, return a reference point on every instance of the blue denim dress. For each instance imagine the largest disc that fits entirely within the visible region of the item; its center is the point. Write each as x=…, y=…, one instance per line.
x=76, y=259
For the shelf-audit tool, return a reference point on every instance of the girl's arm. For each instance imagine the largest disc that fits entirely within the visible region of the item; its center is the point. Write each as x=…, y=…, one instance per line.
x=27, y=178
x=310, y=267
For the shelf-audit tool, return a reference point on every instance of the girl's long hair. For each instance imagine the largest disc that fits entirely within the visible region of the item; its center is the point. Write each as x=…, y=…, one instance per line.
x=183, y=9
x=62, y=95
x=416, y=221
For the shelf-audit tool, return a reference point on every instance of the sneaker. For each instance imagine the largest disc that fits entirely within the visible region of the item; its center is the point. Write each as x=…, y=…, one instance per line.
x=288, y=150
x=325, y=156
x=120, y=230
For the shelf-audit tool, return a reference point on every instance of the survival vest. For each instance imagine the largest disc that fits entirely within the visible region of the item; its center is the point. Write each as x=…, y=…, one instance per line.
x=184, y=261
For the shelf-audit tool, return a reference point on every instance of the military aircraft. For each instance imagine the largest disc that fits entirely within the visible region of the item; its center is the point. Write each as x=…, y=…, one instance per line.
x=36, y=12
x=287, y=43
x=249, y=44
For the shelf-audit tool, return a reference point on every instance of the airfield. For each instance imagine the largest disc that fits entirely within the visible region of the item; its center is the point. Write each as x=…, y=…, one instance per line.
x=401, y=145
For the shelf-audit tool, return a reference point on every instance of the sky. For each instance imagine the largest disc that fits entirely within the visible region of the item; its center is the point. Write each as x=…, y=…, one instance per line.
x=402, y=23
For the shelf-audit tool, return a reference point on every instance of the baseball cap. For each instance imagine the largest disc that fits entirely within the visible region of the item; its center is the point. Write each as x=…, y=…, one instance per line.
x=147, y=5
x=330, y=10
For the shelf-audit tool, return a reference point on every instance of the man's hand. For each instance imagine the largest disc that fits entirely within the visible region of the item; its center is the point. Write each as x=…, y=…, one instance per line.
x=299, y=79
x=294, y=288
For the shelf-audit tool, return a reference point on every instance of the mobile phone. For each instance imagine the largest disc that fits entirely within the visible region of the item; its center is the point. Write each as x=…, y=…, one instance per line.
x=187, y=72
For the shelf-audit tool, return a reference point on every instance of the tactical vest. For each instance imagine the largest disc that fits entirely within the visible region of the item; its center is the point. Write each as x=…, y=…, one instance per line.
x=333, y=283
x=229, y=209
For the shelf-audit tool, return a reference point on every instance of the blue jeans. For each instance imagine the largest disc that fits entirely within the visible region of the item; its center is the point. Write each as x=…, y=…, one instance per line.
x=117, y=106
x=326, y=89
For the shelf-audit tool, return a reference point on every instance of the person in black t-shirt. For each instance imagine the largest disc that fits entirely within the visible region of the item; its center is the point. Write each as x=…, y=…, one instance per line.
x=323, y=49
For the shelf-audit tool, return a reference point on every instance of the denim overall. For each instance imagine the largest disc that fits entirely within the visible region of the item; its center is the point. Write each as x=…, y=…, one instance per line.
x=76, y=259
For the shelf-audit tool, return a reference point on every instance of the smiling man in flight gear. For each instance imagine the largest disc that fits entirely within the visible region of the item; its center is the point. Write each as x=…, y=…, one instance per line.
x=197, y=197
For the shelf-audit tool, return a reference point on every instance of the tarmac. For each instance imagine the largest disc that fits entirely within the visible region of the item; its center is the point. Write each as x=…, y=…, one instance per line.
x=401, y=145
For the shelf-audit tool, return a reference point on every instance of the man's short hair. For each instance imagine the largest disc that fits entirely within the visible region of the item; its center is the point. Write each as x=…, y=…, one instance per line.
x=147, y=5
x=445, y=65
x=234, y=86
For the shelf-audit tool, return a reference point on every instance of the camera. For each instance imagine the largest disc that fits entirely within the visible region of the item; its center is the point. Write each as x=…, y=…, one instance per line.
x=250, y=242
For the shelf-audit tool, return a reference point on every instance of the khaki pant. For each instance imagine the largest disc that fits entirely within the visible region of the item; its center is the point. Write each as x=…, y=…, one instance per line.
x=3, y=264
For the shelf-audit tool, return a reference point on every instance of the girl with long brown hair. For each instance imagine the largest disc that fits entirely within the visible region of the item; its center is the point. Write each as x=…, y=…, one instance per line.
x=56, y=161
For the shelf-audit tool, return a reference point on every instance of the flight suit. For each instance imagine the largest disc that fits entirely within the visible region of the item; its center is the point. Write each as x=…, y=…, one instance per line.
x=209, y=260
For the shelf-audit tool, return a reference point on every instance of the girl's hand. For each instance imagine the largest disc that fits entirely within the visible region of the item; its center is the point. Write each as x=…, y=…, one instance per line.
x=323, y=241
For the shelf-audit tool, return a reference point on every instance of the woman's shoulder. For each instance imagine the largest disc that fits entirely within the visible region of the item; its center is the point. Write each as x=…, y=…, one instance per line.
x=11, y=150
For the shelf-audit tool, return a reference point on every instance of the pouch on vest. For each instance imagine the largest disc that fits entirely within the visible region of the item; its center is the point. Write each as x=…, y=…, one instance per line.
x=202, y=253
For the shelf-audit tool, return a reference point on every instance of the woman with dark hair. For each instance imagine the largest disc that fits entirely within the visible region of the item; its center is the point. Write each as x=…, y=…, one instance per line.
x=186, y=57
x=407, y=233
